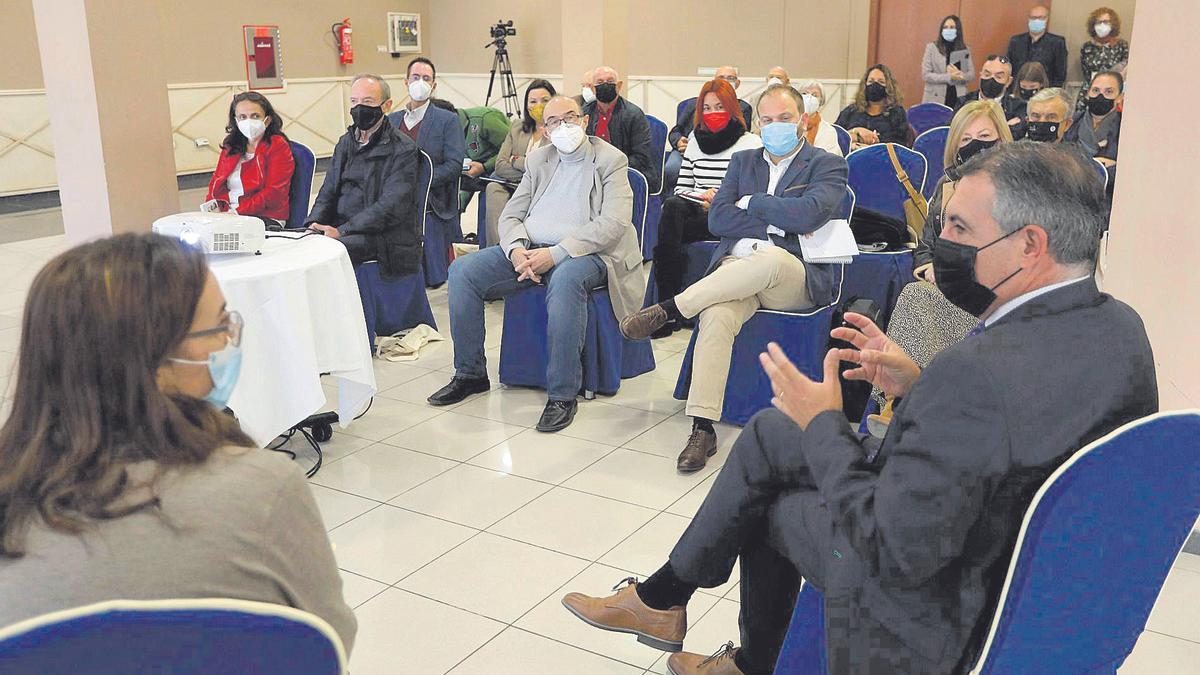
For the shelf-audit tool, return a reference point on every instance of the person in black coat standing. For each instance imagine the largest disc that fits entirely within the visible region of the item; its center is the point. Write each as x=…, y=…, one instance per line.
x=909, y=540
x=1037, y=44
x=369, y=198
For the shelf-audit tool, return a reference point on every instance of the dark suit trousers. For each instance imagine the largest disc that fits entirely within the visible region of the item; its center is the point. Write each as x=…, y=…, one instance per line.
x=763, y=507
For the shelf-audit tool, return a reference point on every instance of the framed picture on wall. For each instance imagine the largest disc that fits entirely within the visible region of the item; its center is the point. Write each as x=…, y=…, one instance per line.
x=264, y=57
x=404, y=32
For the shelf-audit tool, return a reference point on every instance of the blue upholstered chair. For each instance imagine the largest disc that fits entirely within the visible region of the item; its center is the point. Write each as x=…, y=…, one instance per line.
x=925, y=116
x=879, y=276
x=873, y=178
x=1086, y=570
x=393, y=305
x=803, y=335
x=843, y=139
x=932, y=146
x=649, y=230
x=300, y=190
x=682, y=105
x=1101, y=171
x=607, y=356
x=182, y=637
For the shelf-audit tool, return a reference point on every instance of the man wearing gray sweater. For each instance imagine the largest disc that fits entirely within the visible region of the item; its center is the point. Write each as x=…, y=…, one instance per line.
x=567, y=226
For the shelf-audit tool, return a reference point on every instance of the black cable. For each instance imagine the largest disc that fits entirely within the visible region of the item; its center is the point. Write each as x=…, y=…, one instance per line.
x=306, y=234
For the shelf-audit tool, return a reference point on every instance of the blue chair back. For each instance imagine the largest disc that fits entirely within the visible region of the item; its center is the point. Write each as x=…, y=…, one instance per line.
x=300, y=191
x=424, y=183
x=846, y=208
x=683, y=104
x=658, y=148
x=641, y=193
x=843, y=139
x=873, y=178
x=1101, y=171
x=1086, y=569
x=925, y=116
x=932, y=145
x=1097, y=543
x=182, y=637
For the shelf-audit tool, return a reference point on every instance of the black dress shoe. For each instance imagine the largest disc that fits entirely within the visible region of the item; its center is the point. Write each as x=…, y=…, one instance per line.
x=557, y=415
x=458, y=389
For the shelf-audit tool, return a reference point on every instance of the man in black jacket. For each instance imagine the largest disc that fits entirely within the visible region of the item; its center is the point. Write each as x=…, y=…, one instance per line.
x=996, y=83
x=1048, y=49
x=623, y=125
x=368, y=200
x=910, y=540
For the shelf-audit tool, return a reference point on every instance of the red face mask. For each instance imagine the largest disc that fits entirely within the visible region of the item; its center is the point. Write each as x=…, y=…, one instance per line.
x=716, y=121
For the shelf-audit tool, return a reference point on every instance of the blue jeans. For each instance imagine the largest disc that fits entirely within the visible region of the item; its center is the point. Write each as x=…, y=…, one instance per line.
x=488, y=275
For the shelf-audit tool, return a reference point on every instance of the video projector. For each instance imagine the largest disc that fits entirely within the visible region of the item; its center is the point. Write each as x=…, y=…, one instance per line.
x=215, y=232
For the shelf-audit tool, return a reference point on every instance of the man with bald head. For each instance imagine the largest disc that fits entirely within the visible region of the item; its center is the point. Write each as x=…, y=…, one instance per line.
x=623, y=125
x=566, y=227
x=778, y=75
x=1038, y=44
x=687, y=118
x=586, y=93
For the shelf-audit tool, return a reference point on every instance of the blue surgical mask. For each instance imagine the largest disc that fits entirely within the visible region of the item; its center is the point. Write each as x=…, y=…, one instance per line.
x=779, y=138
x=1037, y=25
x=224, y=366
x=949, y=34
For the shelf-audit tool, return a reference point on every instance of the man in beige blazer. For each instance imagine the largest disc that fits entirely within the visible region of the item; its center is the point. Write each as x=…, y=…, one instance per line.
x=568, y=226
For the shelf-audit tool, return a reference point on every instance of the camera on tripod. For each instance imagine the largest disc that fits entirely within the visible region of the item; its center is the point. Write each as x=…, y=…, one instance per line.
x=503, y=29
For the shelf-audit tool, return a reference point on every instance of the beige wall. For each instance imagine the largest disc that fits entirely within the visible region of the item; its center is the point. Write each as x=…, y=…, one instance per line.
x=203, y=40
x=1155, y=233
x=458, y=30
x=1069, y=19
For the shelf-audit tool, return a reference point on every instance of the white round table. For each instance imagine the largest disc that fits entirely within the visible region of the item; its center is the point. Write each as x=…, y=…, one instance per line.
x=303, y=317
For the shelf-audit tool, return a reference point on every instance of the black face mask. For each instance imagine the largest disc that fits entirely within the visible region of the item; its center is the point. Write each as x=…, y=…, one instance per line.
x=1100, y=106
x=1043, y=132
x=990, y=88
x=954, y=269
x=972, y=148
x=606, y=92
x=876, y=92
x=1028, y=93
x=365, y=116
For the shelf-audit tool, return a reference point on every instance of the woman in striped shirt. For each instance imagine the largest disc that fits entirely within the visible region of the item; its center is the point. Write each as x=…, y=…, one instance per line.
x=719, y=132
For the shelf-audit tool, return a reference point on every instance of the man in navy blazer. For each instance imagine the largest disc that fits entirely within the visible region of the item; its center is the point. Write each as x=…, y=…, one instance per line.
x=767, y=201
x=438, y=133
x=910, y=539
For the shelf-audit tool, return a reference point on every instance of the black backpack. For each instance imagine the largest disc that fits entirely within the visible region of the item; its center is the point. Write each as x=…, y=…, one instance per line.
x=872, y=227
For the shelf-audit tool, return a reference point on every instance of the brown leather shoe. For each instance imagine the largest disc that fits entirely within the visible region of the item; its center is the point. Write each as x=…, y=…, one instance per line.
x=701, y=445
x=640, y=324
x=626, y=613
x=721, y=663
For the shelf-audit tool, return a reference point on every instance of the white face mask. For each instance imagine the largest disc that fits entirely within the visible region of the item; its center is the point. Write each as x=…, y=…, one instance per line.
x=419, y=90
x=587, y=94
x=771, y=81
x=567, y=137
x=811, y=103
x=1103, y=29
x=252, y=129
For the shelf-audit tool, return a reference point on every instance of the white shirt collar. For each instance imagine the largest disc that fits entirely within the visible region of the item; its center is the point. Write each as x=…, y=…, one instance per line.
x=413, y=117
x=1016, y=302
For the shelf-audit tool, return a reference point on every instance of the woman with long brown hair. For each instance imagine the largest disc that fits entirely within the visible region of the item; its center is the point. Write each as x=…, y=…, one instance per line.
x=877, y=113
x=122, y=477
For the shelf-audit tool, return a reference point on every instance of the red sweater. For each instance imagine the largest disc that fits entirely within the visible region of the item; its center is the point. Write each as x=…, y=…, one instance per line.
x=266, y=179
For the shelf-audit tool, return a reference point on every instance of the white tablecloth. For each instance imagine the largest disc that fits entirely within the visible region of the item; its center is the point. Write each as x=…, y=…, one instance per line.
x=303, y=317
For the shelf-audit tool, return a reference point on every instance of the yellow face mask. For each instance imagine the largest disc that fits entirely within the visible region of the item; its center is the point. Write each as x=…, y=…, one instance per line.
x=535, y=111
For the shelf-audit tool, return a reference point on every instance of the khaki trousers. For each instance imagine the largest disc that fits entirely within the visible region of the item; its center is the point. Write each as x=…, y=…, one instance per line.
x=772, y=278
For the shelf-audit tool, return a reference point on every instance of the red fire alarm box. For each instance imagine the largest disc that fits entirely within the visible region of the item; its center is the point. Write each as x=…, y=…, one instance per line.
x=264, y=58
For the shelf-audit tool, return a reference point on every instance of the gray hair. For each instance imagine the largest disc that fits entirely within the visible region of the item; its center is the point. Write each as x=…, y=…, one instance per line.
x=1050, y=185
x=818, y=86
x=383, y=85
x=1050, y=94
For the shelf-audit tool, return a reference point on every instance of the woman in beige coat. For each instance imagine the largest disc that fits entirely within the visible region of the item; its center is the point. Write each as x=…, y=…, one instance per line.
x=946, y=67
x=524, y=136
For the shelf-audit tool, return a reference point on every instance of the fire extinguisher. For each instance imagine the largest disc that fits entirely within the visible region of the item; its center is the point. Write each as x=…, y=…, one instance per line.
x=342, y=36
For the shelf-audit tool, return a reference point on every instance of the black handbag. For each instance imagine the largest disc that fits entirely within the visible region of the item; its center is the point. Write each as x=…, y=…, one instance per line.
x=872, y=227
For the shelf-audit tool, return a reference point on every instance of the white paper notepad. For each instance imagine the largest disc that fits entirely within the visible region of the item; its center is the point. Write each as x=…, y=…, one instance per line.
x=833, y=242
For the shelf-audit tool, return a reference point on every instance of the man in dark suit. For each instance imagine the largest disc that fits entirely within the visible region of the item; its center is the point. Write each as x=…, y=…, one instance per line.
x=623, y=125
x=369, y=197
x=1037, y=44
x=996, y=84
x=438, y=133
x=767, y=201
x=910, y=541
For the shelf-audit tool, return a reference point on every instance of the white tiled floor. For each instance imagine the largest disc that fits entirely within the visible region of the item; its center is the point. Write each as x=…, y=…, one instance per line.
x=458, y=530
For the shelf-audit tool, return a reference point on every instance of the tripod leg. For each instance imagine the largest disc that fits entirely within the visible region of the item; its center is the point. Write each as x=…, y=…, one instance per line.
x=492, y=79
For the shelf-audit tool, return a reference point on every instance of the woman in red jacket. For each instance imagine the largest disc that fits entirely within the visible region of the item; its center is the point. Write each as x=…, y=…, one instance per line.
x=255, y=170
